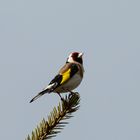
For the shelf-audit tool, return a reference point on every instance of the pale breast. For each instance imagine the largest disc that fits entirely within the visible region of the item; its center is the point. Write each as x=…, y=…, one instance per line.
x=70, y=85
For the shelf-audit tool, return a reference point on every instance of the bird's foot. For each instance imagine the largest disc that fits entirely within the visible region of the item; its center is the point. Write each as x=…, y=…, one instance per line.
x=72, y=93
x=60, y=96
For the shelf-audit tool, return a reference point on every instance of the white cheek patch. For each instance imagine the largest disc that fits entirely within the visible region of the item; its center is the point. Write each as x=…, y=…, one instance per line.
x=70, y=59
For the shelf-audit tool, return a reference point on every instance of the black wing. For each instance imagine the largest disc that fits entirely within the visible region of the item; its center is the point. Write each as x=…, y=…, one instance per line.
x=54, y=83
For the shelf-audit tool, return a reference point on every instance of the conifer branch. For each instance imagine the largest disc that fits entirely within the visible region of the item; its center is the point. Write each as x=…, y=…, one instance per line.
x=56, y=120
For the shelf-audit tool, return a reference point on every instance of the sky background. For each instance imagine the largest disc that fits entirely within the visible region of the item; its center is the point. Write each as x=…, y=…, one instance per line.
x=36, y=37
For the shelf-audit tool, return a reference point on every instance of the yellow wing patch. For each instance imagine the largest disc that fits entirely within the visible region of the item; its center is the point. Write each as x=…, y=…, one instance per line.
x=65, y=76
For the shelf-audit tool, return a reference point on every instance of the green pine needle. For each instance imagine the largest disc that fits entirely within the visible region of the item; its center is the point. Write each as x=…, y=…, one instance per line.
x=56, y=120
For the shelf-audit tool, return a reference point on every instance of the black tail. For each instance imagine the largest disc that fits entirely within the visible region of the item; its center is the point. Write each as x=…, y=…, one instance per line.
x=39, y=95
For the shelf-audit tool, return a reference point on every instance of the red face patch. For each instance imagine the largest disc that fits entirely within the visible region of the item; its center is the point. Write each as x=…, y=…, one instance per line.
x=75, y=55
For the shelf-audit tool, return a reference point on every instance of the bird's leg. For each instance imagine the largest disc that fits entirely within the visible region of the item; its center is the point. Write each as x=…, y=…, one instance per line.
x=60, y=96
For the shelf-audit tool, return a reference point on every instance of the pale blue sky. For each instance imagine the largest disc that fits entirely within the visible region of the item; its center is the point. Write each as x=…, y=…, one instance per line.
x=36, y=37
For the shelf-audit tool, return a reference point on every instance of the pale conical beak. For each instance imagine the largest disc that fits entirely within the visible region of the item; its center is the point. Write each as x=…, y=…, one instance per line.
x=80, y=55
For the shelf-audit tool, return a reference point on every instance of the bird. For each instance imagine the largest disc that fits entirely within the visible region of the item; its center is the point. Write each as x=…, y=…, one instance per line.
x=68, y=78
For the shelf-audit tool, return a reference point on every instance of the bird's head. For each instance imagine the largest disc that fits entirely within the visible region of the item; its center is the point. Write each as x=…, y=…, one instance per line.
x=75, y=57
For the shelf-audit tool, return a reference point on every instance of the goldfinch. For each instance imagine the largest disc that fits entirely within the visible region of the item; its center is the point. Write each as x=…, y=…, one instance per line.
x=68, y=78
